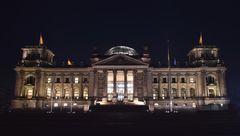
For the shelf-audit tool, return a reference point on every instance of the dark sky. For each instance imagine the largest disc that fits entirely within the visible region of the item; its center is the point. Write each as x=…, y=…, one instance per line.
x=71, y=29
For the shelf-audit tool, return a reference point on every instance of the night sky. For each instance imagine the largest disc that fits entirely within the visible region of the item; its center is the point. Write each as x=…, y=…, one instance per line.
x=72, y=28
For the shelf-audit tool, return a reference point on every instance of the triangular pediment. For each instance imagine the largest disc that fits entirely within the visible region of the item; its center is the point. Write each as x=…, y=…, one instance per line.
x=120, y=60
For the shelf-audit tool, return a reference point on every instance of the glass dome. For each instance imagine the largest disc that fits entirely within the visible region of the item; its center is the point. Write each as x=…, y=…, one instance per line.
x=121, y=50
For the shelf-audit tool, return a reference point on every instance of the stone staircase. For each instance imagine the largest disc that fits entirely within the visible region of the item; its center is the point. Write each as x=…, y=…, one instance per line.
x=119, y=108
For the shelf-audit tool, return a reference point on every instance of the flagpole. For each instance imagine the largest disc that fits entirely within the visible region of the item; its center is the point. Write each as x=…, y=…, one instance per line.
x=169, y=81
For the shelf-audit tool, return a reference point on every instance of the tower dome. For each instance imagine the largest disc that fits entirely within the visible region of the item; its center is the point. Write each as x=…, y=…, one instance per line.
x=121, y=50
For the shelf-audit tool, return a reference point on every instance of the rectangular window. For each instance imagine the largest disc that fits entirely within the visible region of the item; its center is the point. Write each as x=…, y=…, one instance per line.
x=58, y=80
x=76, y=80
x=173, y=80
x=85, y=93
x=191, y=80
x=67, y=80
x=48, y=92
x=164, y=80
x=182, y=80
x=49, y=80
x=155, y=80
x=85, y=80
x=76, y=94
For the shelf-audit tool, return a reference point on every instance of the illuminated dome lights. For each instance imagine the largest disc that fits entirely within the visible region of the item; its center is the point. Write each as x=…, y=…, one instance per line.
x=121, y=50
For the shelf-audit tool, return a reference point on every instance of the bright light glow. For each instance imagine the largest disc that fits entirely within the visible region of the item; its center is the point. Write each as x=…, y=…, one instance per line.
x=76, y=80
x=191, y=80
x=110, y=85
x=74, y=104
x=121, y=50
x=55, y=105
x=49, y=80
x=194, y=105
x=156, y=104
x=221, y=105
x=48, y=92
x=65, y=104
x=29, y=93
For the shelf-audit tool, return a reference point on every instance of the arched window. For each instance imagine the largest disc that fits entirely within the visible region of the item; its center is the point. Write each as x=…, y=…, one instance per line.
x=165, y=92
x=58, y=94
x=67, y=94
x=183, y=93
x=30, y=80
x=85, y=93
x=211, y=93
x=210, y=80
x=192, y=92
x=174, y=92
x=155, y=93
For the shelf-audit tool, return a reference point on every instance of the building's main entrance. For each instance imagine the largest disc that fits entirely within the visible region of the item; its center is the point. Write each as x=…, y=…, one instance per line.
x=120, y=84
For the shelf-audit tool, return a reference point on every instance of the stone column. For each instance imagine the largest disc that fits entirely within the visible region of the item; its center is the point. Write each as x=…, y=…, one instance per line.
x=125, y=84
x=204, y=86
x=135, y=83
x=149, y=84
x=41, y=85
x=96, y=92
x=19, y=83
x=37, y=83
x=62, y=85
x=201, y=90
x=53, y=91
x=105, y=83
x=91, y=84
x=114, y=82
x=178, y=85
x=80, y=85
x=222, y=83
x=187, y=85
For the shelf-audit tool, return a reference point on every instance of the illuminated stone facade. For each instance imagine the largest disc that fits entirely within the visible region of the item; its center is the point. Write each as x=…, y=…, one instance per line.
x=120, y=76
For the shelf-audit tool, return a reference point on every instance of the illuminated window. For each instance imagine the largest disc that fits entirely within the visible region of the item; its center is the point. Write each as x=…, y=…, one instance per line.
x=155, y=94
x=211, y=93
x=110, y=85
x=191, y=80
x=58, y=94
x=29, y=93
x=130, y=85
x=76, y=80
x=76, y=94
x=49, y=80
x=48, y=92
x=120, y=85
x=67, y=94
x=65, y=104
x=55, y=105
x=85, y=93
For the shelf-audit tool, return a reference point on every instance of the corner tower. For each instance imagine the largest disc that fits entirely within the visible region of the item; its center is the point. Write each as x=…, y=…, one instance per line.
x=204, y=55
x=37, y=55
